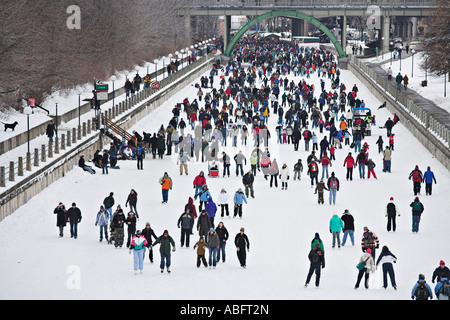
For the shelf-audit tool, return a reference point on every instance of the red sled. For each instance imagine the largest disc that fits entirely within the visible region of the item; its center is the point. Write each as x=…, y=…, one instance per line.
x=213, y=173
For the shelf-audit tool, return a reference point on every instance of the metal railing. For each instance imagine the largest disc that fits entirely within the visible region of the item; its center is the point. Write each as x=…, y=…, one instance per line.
x=312, y=3
x=436, y=126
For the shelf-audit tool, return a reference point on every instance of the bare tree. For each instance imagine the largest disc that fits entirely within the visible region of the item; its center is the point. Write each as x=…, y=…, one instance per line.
x=436, y=42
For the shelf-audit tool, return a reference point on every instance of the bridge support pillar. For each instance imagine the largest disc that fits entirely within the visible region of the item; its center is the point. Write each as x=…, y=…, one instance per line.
x=226, y=31
x=299, y=28
x=344, y=32
x=188, y=27
x=384, y=34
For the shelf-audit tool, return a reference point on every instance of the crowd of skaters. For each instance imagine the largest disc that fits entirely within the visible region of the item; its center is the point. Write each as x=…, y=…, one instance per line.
x=254, y=86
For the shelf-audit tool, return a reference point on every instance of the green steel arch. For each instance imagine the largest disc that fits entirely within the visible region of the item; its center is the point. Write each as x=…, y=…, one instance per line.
x=284, y=13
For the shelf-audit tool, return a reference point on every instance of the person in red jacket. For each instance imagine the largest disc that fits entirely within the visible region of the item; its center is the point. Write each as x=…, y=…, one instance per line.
x=417, y=178
x=192, y=210
x=326, y=162
x=350, y=163
x=199, y=181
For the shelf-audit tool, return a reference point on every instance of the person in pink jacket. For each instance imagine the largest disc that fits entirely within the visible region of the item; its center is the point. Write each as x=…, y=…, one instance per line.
x=350, y=163
x=138, y=245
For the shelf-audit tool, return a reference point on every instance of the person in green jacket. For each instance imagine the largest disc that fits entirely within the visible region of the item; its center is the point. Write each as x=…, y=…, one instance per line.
x=315, y=240
x=336, y=225
x=166, y=246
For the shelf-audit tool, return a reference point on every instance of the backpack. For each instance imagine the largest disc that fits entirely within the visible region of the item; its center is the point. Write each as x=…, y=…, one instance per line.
x=445, y=289
x=421, y=292
x=313, y=167
x=417, y=206
x=315, y=256
x=333, y=184
x=416, y=174
x=368, y=238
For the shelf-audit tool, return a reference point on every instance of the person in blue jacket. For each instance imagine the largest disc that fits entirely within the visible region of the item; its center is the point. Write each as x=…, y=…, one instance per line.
x=239, y=199
x=438, y=290
x=211, y=208
x=421, y=290
x=428, y=178
x=102, y=220
x=203, y=194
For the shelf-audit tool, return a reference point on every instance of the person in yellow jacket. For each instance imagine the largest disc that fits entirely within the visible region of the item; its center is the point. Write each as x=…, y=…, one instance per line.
x=166, y=185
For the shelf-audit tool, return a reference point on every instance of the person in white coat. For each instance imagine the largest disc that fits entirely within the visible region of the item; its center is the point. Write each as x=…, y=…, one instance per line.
x=222, y=201
x=284, y=176
x=365, y=271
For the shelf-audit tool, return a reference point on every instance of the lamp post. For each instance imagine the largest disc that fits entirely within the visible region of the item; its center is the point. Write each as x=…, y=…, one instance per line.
x=412, y=63
x=113, y=79
x=400, y=57
x=156, y=61
x=79, y=106
x=182, y=57
x=28, y=110
x=391, y=44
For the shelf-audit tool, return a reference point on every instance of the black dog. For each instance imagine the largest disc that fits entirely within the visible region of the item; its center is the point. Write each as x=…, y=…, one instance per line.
x=10, y=125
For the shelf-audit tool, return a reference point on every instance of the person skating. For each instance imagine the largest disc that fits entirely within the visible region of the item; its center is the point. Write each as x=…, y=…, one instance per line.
x=222, y=201
x=317, y=262
x=313, y=172
x=211, y=208
x=102, y=219
x=148, y=233
x=421, y=289
x=132, y=200
x=368, y=267
x=239, y=199
x=298, y=169
x=416, y=176
x=319, y=191
x=428, y=178
x=417, y=210
x=203, y=195
x=349, y=227
x=369, y=241
x=442, y=288
x=131, y=227
x=138, y=245
x=213, y=247
x=108, y=203
x=119, y=220
x=247, y=181
x=166, y=184
x=336, y=225
x=61, y=218
x=223, y=235
x=185, y=222
x=391, y=214
x=284, y=176
x=242, y=247
x=201, y=246
x=333, y=188
x=74, y=217
x=203, y=225
x=167, y=245
x=386, y=258
x=315, y=240
x=439, y=271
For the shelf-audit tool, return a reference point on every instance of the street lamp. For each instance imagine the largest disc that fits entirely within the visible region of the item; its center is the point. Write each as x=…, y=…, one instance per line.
x=28, y=110
x=412, y=63
x=79, y=106
x=391, y=47
x=156, y=61
x=400, y=56
x=113, y=78
x=182, y=57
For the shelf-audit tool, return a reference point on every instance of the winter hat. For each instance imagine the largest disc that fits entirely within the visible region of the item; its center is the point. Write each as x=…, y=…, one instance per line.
x=369, y=251
x=416, y=198
x=74, y=204
x=111, y=194
x=102, y=208
x=147, y=224
x=392, y=199
x=242, y=229
x=442, y=262
x=421, y=277
x=211, y=230
x=316, y=235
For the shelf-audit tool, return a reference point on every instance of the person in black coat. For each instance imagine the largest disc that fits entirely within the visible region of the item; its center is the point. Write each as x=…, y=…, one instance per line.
x=132, y=200
x=50, y=131
x=61, y=218
x=349, y=227
x=241, y=242
x=131, y=223
x=148, y=233
x=248, y=180
x=317, y=262
x=74, y=217
x=105, y=158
